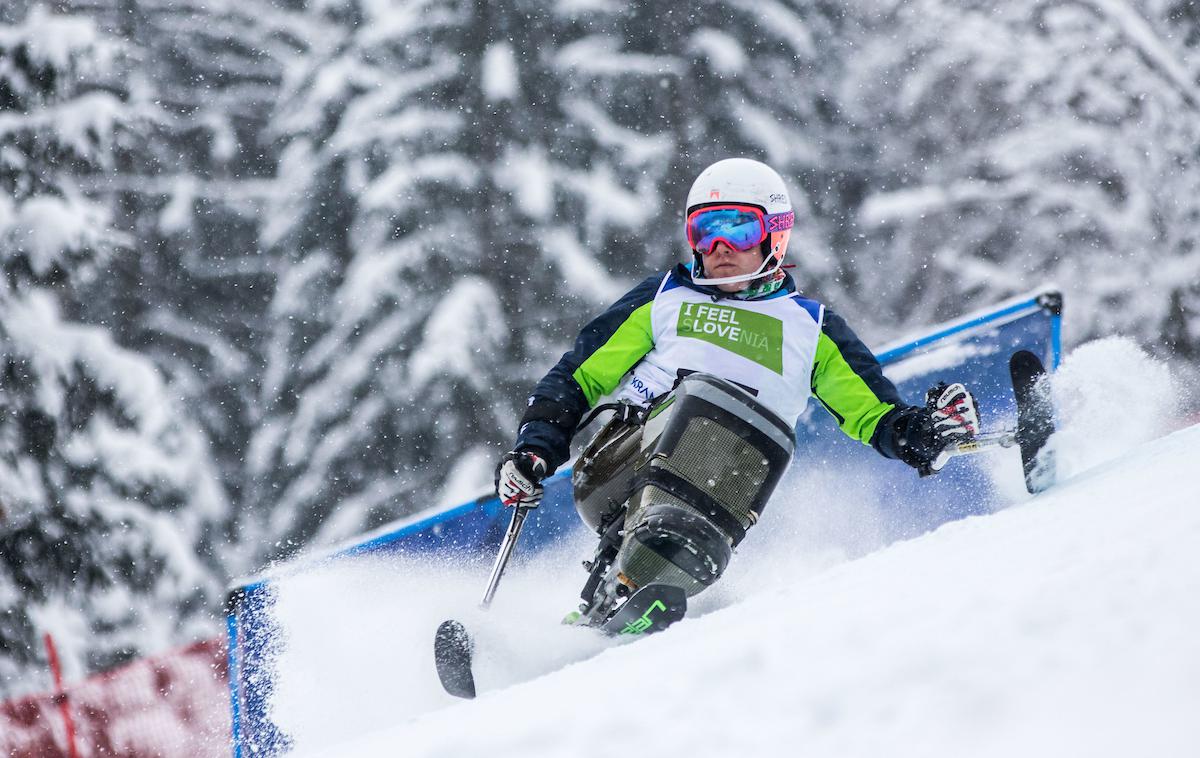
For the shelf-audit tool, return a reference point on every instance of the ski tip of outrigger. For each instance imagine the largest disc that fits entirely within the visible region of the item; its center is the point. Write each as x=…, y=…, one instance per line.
x=452, y=651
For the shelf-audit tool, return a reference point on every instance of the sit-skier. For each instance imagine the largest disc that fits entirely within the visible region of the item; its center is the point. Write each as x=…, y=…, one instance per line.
x=710, y=364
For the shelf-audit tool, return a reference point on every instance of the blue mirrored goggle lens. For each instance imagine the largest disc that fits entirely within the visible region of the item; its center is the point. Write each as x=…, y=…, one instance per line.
x=741, y=230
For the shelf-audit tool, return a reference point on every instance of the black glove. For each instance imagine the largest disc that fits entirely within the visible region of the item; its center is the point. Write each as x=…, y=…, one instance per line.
x=949, y=416
x=519, y=478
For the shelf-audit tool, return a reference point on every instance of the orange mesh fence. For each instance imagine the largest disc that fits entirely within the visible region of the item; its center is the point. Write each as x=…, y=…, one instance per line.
x=176, y=704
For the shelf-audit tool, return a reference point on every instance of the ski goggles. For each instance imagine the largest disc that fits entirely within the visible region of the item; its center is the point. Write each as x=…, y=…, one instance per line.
x=742, y=227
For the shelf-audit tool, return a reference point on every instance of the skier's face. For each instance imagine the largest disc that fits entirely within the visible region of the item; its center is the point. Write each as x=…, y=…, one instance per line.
x=725, y=261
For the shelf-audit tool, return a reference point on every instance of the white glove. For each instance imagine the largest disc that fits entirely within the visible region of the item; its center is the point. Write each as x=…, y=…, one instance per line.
x=955, y=417
x=519, y=479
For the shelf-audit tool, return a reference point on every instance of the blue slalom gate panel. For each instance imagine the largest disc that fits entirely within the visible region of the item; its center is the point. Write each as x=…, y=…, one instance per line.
x=974, y=350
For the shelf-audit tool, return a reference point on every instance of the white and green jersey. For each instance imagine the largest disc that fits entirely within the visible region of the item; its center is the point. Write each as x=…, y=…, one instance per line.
x=782, y=348
x=764, y=346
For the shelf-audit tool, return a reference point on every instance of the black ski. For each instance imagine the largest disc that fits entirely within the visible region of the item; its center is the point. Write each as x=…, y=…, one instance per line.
x=452, y=652
x=1035, y=419
x=651, y=609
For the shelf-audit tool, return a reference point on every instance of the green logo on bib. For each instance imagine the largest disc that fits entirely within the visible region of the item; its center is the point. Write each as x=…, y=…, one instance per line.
x=753, y=336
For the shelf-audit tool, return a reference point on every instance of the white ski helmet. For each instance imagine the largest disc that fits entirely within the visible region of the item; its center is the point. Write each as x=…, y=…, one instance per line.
x=729, y=186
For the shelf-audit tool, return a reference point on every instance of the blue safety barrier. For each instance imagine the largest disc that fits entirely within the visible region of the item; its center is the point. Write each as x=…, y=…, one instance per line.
x=974, y=350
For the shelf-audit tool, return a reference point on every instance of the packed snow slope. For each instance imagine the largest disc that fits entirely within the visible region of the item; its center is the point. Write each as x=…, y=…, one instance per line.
x=1069, y=625
x=1065, y=624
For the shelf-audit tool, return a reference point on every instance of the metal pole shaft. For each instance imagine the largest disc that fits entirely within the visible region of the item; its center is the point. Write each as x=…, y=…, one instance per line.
x=506, y=550
x=985, y=441
x=982, y=442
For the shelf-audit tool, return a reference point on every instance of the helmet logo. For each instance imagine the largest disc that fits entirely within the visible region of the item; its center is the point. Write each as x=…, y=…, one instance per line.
x=777, y=198
x=714, y=194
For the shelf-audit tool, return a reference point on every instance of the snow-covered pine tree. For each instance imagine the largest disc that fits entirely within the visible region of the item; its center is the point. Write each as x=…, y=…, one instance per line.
x=110, y=502
x=193, y=289
x=376, y=236
x=1014, y=144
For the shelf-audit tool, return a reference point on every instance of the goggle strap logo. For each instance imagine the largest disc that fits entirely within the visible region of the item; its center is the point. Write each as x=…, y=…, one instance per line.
x=781, y=221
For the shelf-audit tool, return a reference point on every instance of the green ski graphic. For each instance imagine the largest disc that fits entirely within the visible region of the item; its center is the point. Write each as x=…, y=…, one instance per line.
x=639, y=625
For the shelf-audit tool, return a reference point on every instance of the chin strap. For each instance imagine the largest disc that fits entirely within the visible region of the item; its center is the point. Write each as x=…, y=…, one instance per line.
x=758, y=287
x=700, y=276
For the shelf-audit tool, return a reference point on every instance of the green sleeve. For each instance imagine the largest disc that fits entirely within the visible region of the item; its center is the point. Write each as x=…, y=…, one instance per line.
x=849, y=382
x=602, y=371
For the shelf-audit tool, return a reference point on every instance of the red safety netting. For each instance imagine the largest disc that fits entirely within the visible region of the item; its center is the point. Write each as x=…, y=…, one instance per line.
x=176, y=704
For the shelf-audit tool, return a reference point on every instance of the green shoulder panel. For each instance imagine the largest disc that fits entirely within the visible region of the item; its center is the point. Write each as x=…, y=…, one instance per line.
x=845, y=394
x=602, y=371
